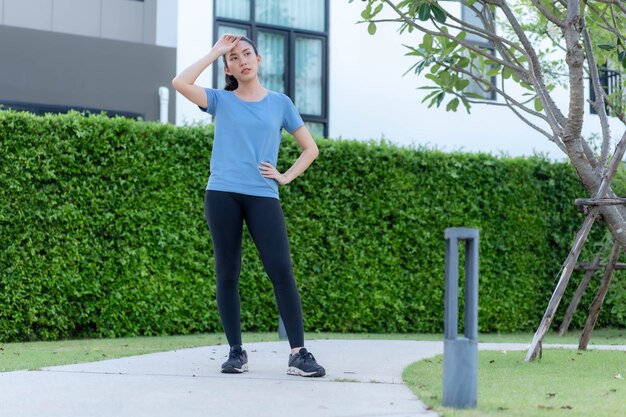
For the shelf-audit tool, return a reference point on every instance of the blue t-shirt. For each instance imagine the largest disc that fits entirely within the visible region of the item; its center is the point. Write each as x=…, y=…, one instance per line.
x=246, y=134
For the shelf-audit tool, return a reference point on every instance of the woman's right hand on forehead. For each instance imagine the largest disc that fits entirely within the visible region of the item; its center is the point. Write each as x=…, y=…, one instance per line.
x=226, y=43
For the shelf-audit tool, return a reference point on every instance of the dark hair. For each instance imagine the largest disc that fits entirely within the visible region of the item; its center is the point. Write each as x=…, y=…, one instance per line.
x=231, y=82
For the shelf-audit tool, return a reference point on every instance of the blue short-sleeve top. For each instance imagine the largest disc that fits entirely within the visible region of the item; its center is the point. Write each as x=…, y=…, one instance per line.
x=246, y=134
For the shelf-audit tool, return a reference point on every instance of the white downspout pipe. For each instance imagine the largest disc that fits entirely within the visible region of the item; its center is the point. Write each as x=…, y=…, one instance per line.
x=164, y=98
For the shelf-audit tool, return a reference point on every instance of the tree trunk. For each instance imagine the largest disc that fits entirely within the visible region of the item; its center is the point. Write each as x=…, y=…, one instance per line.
x=600, y=187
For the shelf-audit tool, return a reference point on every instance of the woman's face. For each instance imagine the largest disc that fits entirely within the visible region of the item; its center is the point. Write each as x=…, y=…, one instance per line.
x=242, y=62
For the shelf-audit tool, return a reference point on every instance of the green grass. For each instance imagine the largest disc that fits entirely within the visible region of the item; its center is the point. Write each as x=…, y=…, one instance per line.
x=599, y=337
x=35, y=355
x=563, y=383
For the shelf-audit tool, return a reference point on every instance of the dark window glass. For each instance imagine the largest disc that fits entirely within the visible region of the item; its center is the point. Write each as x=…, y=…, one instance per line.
x=610, y=81
x=299, y=14
x=233, y=9
x=273, y=50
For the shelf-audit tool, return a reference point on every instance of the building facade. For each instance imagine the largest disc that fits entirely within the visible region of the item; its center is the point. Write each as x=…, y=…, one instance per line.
x=115, y=56
x=88, y=55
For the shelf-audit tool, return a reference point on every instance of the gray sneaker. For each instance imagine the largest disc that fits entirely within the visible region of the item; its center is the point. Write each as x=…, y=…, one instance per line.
x=237, y=362
x=303, y=364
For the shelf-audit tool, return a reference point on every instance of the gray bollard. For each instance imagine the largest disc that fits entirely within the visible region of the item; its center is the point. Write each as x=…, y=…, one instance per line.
x=460, y=354
x=282, y=332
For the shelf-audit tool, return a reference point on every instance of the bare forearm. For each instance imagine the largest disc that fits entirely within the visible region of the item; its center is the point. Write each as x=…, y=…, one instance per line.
x=190, y=74
x=305, y=159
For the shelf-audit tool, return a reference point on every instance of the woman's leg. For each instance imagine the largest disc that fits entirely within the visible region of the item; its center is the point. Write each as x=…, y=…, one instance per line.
x=225, y=219
x=266, y=223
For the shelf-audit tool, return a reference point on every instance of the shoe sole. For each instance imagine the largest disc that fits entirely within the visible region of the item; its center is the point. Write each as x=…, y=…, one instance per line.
x=299, y=372
x=233, y=370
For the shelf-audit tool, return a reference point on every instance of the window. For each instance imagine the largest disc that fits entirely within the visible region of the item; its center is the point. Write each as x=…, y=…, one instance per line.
x=610, y=81
x=470, y=17
x=292, y=38
x=42, y=109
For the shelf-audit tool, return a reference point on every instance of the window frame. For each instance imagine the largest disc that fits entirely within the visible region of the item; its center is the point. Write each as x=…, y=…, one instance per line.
x=253, y=27
x=612, y=78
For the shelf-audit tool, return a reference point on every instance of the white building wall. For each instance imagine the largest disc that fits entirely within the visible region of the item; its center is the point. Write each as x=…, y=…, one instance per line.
x=195, y=39
x=167, y=23
x=369, y=98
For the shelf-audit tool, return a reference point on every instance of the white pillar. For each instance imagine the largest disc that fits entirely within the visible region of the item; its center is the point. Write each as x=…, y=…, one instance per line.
x=164, y=98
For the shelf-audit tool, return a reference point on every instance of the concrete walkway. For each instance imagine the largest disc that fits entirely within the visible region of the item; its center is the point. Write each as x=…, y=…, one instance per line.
x=364, y=378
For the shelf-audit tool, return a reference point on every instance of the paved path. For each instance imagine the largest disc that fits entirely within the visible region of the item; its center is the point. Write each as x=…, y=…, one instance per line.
x=364, y=379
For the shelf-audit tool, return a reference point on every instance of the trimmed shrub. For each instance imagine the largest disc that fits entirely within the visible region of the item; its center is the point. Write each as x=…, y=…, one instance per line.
x=103, y=233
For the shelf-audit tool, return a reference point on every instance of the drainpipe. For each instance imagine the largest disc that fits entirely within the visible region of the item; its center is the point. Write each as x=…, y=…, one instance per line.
x=164, y=98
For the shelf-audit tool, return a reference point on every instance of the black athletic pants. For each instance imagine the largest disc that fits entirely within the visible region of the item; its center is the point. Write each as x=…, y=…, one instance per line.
x=225, y=213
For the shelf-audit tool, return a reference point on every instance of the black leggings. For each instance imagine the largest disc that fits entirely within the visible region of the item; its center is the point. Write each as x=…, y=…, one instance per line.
x=225, y=213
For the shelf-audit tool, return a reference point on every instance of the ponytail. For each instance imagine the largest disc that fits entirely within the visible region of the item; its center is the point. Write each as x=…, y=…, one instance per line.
x=231, y=83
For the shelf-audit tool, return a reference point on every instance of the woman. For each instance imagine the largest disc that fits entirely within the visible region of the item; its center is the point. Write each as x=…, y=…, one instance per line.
x=243, y=185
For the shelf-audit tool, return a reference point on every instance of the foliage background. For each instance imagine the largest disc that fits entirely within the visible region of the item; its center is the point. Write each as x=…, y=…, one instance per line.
x=103, y=234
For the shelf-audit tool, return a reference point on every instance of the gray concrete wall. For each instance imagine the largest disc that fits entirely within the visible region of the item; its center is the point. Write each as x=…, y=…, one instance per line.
x=67, y=70
x=127, y=20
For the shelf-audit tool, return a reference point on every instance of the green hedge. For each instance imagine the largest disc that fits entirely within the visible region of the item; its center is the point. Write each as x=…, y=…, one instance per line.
x=103, y=233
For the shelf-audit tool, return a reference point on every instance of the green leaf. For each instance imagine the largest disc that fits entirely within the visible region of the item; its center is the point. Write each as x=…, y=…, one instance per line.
x=371, y=28
x=506, y=73
x=467, y=104
x=473, y=95
x=453, y=104
x=427, y=42
x=538, y=105
x=461, y=84
x=438, y=13
x=377, y=9
x=607, y=46
x=440, y=98
x=423, y=12
x=494, y=72
x=463, y=62
x=367, y=13
x=431, y=94
x=437, y=79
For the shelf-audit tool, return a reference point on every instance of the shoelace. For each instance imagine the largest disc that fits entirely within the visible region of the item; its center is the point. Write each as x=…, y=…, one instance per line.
x=308, y=356
x=233, y=354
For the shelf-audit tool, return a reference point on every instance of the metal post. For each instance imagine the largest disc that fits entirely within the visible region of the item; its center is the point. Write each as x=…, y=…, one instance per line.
x=460, y=354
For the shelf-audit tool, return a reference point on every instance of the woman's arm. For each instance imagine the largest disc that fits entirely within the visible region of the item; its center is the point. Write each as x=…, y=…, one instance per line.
x=184, y=82
x=306, y=158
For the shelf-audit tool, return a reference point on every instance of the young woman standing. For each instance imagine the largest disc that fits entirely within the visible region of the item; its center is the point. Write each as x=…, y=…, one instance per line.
x=243, y=186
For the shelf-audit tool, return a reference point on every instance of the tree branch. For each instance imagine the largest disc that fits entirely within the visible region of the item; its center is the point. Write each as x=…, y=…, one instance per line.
x=467, y=45
x=557, y=118
x=608, y=27
x=501, y=92
x=548, y=14
x=619, y=3
x=598, y=103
